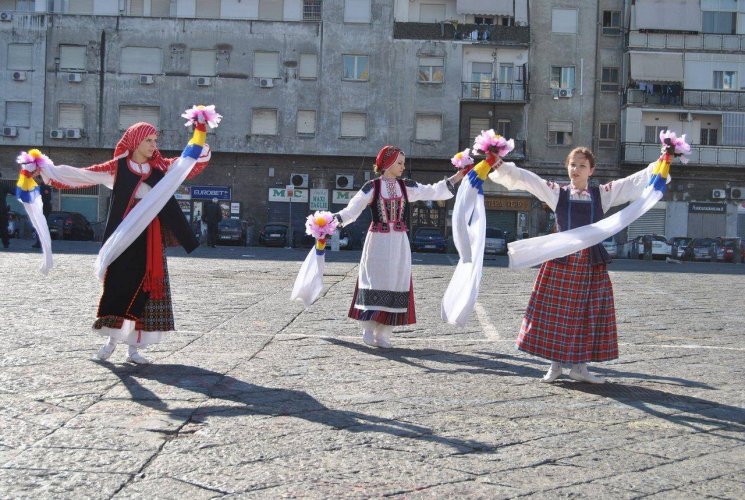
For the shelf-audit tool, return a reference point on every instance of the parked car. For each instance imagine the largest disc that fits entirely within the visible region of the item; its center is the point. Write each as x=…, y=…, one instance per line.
x=731, y=250
x=701, y=249
x=429, y=238
x=678, y=245
x=273, y=235
x=611, y=246
x=635, y=247
x=233, y=231
x=69, y=226
x=496, y=241
x=350, y=238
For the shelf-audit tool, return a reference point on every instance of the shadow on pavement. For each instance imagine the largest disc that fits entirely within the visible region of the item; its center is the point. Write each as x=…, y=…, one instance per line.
x=258, y=400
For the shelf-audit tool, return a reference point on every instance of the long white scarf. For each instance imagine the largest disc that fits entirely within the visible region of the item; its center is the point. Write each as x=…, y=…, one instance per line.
x=309, y=281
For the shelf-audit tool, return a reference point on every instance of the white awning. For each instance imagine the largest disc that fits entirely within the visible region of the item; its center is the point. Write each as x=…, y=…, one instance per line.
x=678, y=15
x=485, y=7
x=657, y=66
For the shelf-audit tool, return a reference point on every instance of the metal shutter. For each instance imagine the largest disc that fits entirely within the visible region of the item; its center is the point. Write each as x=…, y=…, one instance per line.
x=429, y=127
x=502, y=219
x=72, y=57
x=71, y=116
x=733, y=129
x=308, y=67
x=353, y=125
x=741, y=225
x=306, y=122
x=20, y=56
x=653, y=222
x=142, y=60
x=431, y=13
x=357, y=11
x=129, y=115
x=160, y=8
x=271, y=10
x=475, y=126
x=79, y=7
x=208, y=9
x=266, y=64
x=264, y=122
x=18, y=114
x=203, y=62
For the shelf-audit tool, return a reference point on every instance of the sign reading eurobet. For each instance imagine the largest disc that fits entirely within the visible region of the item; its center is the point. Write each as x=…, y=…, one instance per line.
x=319, y=199
x=209, y=192
x=280, y=194
x=342, y=197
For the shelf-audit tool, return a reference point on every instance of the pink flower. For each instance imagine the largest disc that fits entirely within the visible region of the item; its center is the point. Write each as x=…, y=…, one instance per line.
x=320, y=225
x=488, y=140
x=202, y=114
x=678, y=145
x=462, y=160
x=35, y=157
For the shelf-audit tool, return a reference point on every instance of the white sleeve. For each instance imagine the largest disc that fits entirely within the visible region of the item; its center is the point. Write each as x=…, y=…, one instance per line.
x=627, y=189
x=355, y=207
x=513, y=177
x=442, y=190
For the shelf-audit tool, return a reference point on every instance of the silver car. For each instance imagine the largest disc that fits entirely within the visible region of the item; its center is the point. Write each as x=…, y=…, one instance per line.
x=496, y=241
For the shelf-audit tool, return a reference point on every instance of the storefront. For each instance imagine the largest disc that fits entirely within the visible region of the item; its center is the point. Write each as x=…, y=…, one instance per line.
x=652, y=222
x=707, y=219
x=289, y=204
x=510, y=213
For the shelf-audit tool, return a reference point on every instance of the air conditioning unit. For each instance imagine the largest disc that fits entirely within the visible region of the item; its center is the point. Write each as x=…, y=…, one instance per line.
x=204, y=81
x=19, y=76
x=344, y=182
x=737, y=193
x=146, y=79
x=566, y=92
x=57, y=133
x=266, y=83
x=74, y=77
x=299, y=180
x=685, y=117
x=10, y=131
x=6, y=16
x=718, y=194
x=72, y=133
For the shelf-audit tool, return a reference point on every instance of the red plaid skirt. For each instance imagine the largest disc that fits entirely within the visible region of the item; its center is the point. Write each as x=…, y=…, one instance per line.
x=571, y=316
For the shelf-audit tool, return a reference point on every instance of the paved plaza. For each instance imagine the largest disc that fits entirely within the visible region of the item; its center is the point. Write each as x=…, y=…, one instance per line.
x=255, y=397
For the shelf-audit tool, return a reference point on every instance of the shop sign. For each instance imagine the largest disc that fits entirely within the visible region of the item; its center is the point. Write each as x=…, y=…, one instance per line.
x=209, y=192
x=507, y=203
x=183, y=193
x=319, y=199
x=707, y=208
x=342, y=197
x=280, y=194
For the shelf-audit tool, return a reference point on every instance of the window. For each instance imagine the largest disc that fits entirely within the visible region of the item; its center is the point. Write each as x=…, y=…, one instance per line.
x=429, y=127
x=160, y=8
x=306, y=121
x=357, y=11
x=431, y=70
x=489, y=21
x=607, y=136
x=355, y=68
x=72, y=57
x=311, y=10
x=709, y=136
x=203, y=62
x=562, y=77
x=79, y=7
x=652, y=133
x=131, y=114
x=560, y=133
x=503, y=128
x=725, y=80
x=136, y=7
x=208, y=9
x=264, y=122
x=271, y=10
x=719, y=22
x=142, y=60
x=353, y=125
x=431, y=13
x=609, y=80
x=71, y=116
x=308, y=67
x=611, y=22
x=266, y=64
x=20, y=56
x=475, y=126
x=18, y=114
x=564, y=20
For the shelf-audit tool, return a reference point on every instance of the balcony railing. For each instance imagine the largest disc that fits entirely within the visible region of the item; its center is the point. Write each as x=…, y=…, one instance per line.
x=723, y=100
x=720, y=156
x=680, y=41
x=494, y=92
x=474, y=33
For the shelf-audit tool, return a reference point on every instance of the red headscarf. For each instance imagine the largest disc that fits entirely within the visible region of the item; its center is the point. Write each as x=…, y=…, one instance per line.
x=387, y=157
x=132, y=139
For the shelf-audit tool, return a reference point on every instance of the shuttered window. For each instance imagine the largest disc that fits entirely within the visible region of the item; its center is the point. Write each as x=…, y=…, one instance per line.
x=357, y=11
x=353, y=125
x=564, y=20
x=208, y=9
x=203, y=62
x=79, y=7
x=271, y=10
x=429, y=127
x=136, y=7
x=733, y=129
x=306, y=121
x=160, y=8
x=72, y=57
x=264, y=122
x=71, y=116
x=266, y=64
x=560, y=133
x=475, y=126
x=20, y=56
x=142, y=60
x=131, y=114
x=308, y=67
x=17, y=114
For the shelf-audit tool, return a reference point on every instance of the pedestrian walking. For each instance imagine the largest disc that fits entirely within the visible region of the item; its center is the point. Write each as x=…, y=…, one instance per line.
x=4, y=209
x=212, y=215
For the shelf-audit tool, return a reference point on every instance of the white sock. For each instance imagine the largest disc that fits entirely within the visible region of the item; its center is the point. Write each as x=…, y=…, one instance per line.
x=132, y=350
x=112, y=342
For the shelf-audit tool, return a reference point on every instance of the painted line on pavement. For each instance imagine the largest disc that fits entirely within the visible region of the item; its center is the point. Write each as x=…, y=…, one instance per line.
x=487, y=326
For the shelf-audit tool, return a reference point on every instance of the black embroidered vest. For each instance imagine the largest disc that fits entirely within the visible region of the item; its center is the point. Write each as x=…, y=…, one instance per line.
x=571, y=214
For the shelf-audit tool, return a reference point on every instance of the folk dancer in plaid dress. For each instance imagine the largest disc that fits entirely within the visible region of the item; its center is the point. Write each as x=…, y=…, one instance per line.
x=384, y=295
x=571, y=316
x=135, y=307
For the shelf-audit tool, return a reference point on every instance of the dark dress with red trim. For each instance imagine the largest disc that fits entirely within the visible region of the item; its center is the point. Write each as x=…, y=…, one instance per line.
x=571, y=315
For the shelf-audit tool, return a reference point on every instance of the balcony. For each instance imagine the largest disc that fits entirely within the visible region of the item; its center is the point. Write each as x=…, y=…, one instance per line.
x=494, y=92
x=679, y=41
x=517, y=36
x=719, y=100
x=718, y=156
